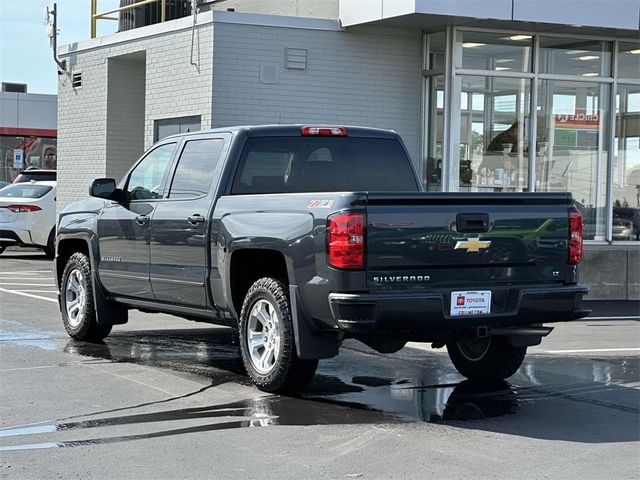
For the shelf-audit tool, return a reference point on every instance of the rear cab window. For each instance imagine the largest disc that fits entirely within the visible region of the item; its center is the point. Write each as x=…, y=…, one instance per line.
x=323, y=164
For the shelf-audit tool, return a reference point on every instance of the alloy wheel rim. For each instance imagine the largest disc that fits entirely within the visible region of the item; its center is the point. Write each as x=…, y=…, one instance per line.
x=75, y=297
x=264, y=336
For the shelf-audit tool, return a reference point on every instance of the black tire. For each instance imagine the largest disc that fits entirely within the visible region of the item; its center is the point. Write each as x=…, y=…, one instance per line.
x=2, y=249
x=288, y=372
x=50, y=249
x=81, y=325
x=490, y=359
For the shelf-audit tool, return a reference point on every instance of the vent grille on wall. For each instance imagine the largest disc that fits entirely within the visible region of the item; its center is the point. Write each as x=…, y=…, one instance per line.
x=269, y=73
x=295, y=58
x=14, y=87
x=76, y=80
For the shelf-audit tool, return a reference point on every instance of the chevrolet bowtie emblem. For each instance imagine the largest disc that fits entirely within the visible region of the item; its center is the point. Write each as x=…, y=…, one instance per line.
x=472, y=245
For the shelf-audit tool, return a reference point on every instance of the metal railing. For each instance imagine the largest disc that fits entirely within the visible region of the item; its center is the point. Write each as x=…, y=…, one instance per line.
x=95, y=16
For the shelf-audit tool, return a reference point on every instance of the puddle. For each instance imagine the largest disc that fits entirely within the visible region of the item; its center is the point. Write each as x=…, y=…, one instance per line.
x=26, y=337
x=350, y=389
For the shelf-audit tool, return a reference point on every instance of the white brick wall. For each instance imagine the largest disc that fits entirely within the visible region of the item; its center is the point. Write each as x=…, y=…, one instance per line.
x=365, y=77
x=174, y=88
x=82, y=125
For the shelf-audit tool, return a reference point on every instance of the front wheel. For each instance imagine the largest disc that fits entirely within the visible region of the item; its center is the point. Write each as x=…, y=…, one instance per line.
x=486, y=359
x=77, y=304
x=2, y=249
x=267, y=341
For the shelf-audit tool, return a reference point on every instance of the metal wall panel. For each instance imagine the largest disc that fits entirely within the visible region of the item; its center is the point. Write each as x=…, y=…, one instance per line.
x=493, y=9
x=623, y=14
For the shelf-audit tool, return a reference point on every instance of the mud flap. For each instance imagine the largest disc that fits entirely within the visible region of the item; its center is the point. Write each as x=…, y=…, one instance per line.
x=107, y=312
x=310, y=345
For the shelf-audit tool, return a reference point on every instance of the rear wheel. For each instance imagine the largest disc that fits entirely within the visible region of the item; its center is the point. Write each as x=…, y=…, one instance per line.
x=2, y=249
x=78, y=309
x=490, y=358
x=267, y=342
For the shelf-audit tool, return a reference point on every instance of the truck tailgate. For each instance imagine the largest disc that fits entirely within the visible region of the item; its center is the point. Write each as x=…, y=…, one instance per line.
x=425, y=239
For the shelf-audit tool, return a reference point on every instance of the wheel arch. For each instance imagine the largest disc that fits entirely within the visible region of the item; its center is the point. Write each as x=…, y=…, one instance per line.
x=107, y=312
x=65, y=247
x=250, y=264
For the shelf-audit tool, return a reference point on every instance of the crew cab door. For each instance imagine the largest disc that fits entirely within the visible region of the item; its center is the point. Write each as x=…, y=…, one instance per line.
x=124, y=227
x=180, y=223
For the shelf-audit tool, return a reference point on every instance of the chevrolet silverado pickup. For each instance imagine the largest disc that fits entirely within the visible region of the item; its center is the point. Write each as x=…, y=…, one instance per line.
x=301, y=237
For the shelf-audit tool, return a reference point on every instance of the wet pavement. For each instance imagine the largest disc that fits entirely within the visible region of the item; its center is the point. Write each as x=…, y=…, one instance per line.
x=168, y=384
x=357, y=387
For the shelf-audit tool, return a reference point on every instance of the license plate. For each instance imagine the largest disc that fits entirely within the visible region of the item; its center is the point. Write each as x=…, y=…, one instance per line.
x=470, y=303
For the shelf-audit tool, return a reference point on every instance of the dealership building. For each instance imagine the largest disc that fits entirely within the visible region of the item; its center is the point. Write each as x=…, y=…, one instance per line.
x=491, y=96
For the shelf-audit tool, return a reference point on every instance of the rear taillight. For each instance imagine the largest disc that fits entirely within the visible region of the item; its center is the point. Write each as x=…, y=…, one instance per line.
x=575, y=236
x=324, y=131
x=23, y=208
x=345, y=240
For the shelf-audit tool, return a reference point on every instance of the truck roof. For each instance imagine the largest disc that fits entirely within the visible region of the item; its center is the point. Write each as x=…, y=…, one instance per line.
x=292, y=130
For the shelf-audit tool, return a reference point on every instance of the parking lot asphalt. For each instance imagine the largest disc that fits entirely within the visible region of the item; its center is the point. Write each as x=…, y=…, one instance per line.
x=166, y=398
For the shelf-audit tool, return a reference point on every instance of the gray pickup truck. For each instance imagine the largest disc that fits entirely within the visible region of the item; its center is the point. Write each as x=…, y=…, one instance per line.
x=301, y=237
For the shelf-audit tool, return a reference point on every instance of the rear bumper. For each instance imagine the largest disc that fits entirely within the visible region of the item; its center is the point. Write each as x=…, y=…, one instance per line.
x=408, y=311
x=14, y=237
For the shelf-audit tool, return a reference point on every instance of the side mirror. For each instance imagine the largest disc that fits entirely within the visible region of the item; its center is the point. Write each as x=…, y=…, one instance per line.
x=104, y=188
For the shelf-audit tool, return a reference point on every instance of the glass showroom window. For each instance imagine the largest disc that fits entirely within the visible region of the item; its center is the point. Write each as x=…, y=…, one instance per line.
x=493, y=118
x=499, y=52
x=434, y=65
x=572, y=146
x=494, y=133
x=432, y=168
x=576, y=57
x=626, y=165
x=629, y=60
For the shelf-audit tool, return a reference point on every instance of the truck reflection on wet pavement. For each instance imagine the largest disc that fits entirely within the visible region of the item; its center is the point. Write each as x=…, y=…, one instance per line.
x=358, y=387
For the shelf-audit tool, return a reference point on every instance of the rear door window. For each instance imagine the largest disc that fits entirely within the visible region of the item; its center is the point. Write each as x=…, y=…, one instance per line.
x=196, y=167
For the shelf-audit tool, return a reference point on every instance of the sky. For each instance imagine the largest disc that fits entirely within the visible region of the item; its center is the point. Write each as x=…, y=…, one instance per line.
x=25, y=55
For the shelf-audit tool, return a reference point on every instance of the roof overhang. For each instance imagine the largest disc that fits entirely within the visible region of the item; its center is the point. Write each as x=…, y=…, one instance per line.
x=590, y=17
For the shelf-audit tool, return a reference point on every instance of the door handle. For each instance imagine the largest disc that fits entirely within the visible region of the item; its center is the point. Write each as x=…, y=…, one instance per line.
x=142, y=219
x=195, y=219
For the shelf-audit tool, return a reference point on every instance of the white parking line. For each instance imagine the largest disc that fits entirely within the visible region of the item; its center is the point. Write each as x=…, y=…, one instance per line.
x=628, y=317
x=29, y=295
x=25, y=271
x=36, y=291
x=594, y=350
x=25, y=279
x=27, y=284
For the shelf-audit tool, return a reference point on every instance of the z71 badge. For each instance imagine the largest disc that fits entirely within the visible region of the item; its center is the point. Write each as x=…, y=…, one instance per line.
x=320, y=204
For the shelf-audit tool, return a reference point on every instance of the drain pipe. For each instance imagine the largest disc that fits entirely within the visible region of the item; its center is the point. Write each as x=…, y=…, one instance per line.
x=194, y=12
